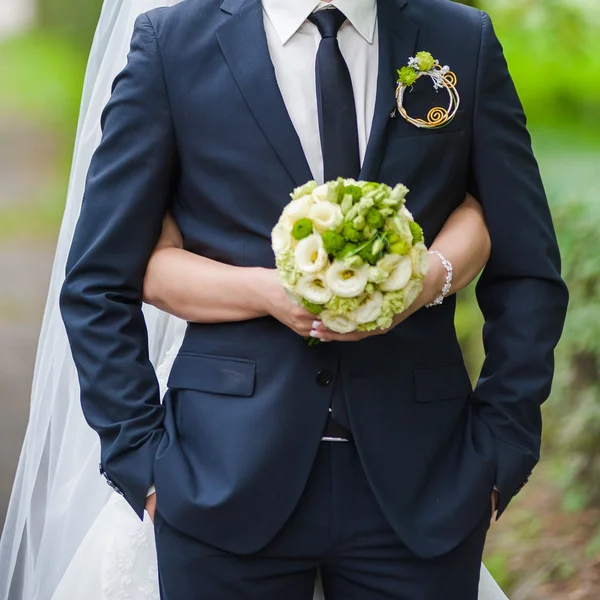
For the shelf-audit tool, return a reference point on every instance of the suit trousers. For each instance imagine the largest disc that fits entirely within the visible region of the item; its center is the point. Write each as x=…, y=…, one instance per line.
x=337, y=528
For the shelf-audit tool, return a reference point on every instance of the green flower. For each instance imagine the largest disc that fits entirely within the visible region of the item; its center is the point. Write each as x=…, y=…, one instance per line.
x=347, y=250
x=425, y=61
x=354, y=191
x=342, y=305
x=375, y=218
x=287, y=269
x=416, y=231
x=366, y=253
x=315, y=309
x=367, y=326
x=351, y=234
x=333, y=242
x=302, y=228
x=407, y=76
x=303, y=190
x=400, y=247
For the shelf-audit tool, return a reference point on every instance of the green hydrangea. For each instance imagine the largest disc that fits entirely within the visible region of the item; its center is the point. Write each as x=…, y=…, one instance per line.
x=350, y=233
x=367, y=326
x=375, y=218
x=302, y=228
x=315, y=309
x=343, y=305
x=416, y=231
x=393, y=303
x=303, y=190
x=287, y=269
x=425, y=61
x=407, y=76
x=333, y=242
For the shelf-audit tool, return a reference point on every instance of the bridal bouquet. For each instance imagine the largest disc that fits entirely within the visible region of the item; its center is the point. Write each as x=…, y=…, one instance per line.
x=350, y=252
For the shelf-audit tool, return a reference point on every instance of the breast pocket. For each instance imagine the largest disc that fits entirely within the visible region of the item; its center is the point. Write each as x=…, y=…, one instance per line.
x=401, y=128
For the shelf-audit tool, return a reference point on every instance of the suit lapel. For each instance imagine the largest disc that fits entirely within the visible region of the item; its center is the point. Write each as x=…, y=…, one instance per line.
x=398, y=35
x=244, y=44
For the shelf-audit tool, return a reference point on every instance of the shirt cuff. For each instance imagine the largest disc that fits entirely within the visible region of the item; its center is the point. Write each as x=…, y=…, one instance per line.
x=151, y=490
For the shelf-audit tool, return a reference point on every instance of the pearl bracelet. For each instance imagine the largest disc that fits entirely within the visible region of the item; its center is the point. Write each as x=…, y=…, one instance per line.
x=447, y=284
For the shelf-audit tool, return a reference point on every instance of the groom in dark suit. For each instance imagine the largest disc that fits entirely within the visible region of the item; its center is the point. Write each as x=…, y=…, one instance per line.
x=222, y=109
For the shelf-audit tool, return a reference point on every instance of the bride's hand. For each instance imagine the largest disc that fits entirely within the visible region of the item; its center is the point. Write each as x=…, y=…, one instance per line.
x=277, y=303
x=151, y=506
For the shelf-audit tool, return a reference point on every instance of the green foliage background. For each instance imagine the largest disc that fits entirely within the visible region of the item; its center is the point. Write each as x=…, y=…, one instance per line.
x=553, y=50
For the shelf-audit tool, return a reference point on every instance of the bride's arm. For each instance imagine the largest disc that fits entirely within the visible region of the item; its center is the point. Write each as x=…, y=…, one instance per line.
x=199, y=289
x=464, y=241
x=202, y=290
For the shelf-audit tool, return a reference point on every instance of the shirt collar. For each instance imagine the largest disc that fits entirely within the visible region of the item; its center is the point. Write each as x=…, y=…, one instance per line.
x=287, y=16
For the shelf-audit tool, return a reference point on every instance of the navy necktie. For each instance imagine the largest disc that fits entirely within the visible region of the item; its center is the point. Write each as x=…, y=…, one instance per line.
x=335, y=100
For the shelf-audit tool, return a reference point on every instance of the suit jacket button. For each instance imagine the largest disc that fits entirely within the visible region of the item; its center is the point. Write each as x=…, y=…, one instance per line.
x=324, y=378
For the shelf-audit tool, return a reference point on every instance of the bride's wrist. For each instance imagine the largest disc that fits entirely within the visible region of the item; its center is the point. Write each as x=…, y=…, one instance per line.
x=434, y=281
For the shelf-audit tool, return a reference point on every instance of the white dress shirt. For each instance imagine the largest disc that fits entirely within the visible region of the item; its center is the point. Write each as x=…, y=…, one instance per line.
x=293, y=43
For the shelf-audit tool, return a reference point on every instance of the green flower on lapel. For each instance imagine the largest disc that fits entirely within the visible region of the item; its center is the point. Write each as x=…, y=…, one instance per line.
x=420, y=65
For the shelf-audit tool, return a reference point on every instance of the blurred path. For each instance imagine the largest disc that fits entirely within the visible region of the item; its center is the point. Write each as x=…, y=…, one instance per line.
x=24, y=276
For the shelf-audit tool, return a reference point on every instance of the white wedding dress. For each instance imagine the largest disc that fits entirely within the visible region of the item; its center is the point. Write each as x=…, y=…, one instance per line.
x=66, y=535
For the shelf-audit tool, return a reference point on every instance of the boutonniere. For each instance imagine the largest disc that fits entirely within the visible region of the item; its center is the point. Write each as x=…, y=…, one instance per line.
x=423, y=64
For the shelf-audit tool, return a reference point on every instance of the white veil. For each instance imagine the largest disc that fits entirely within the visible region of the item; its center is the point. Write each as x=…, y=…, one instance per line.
x=58, y=491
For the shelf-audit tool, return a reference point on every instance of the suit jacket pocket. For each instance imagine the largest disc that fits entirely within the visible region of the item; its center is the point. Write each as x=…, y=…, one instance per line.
x=442, y=383
x=214, y=374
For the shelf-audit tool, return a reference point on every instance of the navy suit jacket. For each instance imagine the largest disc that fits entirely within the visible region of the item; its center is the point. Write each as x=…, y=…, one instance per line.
x=197, y=124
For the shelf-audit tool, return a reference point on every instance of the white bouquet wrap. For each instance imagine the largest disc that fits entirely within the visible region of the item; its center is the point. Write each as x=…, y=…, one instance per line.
x=350, y=252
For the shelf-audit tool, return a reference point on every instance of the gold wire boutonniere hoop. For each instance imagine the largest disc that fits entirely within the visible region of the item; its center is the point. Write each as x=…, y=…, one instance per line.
x=423, y=64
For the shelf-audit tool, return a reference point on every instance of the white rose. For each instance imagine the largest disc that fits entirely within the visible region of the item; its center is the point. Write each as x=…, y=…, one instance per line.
x=404, y=212
x=296, y=210
x=370, y=309
x=346, y=281
x=326, y=216
x=321, y=193
x=310, y=254
x=399, y=277
x=338, y=323
x=314, y=289
x=420, y=259
x=281, y=238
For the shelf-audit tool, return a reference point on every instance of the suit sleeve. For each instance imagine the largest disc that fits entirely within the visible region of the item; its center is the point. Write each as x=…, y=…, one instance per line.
x=127, y=192
x=521, y=293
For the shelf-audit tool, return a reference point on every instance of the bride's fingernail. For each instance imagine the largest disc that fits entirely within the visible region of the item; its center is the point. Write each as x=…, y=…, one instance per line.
x=316, y=324
x=315, y=334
